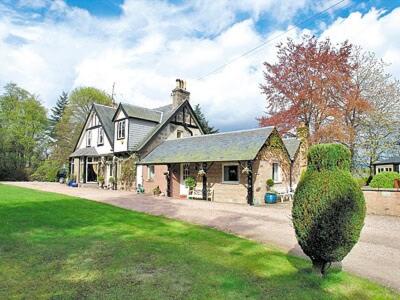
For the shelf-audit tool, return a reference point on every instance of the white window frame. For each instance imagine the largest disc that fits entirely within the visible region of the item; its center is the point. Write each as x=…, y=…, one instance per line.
x=223, y=173
x=179, y=134
x=121, y=129
x=151, y=172
x=279, y=174
x=100, y=136
x=89, y=138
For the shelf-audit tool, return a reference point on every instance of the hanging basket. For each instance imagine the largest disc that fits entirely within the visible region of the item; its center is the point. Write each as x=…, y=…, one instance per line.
x=246, y=170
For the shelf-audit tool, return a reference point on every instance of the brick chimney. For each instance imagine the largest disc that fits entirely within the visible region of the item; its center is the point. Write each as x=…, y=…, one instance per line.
x=179, y=93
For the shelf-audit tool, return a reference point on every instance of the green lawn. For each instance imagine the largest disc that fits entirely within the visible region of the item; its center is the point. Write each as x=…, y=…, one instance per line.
x=55, y=246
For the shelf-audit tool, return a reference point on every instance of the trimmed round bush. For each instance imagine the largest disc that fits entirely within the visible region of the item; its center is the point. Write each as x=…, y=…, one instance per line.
x=328, y=157
x=384, y=180
x=329, y=207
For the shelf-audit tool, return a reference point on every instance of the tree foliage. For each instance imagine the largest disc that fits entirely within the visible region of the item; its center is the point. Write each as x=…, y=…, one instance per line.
x=329, y=207
x=384, y=180
x=341, y=93
x=57, y=112
x=68, y=129
x=203, y=120
x=23, y=124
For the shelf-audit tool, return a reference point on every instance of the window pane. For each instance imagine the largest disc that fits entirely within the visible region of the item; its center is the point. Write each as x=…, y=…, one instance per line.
x=231, y=173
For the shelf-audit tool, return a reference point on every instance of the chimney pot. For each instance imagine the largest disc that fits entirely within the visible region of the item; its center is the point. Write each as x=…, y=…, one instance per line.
x=179, y=94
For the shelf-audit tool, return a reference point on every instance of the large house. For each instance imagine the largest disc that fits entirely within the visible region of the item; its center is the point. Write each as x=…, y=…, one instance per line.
x=391, y=164
x=168, y=145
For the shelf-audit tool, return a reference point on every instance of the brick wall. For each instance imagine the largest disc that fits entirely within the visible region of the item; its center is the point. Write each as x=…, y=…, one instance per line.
x=158, y=179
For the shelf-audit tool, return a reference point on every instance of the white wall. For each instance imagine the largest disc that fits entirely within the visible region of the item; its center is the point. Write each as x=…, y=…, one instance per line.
x=105, y=148
x=121, y=145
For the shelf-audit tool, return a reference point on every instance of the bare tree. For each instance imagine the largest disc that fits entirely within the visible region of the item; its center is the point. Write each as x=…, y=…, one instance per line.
x=377, y=130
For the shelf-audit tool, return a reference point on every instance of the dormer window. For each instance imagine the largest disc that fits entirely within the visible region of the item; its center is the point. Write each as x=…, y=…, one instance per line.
x=121, y=130
x=89, y=138
x=100, y=137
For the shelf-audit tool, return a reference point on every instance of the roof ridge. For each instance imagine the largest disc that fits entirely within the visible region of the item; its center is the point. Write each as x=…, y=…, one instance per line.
x=224, y=133
x=98, y=104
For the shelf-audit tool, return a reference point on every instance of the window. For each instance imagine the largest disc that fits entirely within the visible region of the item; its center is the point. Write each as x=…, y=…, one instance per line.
x=89, y=138
x=100, y=137
x=150, y=172
x=186, y=172
x=179, y=134
x=121, y=130
x=276, y=176
x=230, y=173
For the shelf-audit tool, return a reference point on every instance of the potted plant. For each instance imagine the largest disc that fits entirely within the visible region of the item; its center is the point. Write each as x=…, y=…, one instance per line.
x=156, y=191
x=190, y=183
x=270, y=196
x=100, y=180
x=111, y=180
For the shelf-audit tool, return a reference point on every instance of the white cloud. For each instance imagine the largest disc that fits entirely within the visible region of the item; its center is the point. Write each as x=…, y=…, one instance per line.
x=151, y=44
x=374, y=31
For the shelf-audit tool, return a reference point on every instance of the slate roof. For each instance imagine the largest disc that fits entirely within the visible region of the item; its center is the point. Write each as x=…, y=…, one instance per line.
x=228, y=146
x=106, y=114
x=90, y=151
x=168, y=113
x=292, y=145
x=143, y=113
x=390, y=160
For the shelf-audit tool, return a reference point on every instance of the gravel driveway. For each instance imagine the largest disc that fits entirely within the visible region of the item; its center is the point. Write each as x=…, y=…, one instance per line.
x=376, y=256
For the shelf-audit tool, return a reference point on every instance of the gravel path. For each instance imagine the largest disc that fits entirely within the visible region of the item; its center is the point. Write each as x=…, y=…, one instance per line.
x=376, y=255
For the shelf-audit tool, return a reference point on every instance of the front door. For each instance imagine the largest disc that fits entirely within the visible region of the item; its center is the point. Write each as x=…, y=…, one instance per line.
x=184, y=174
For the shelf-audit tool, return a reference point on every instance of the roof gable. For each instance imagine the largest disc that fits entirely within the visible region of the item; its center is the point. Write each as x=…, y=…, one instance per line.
x=228, y=146
x=138, y=112
x=292, y=145
x=105, y=115
x=168, y=115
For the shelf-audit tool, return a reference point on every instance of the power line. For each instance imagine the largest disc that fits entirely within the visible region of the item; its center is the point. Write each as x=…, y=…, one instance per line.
x=272, y=39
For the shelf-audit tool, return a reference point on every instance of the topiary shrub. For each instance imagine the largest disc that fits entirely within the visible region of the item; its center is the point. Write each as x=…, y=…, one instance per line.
x=384, y=180
x=329, y=207
x=328, y=157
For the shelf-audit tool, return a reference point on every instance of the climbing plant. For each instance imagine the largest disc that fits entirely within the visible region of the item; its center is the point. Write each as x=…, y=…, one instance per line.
x=128, y=171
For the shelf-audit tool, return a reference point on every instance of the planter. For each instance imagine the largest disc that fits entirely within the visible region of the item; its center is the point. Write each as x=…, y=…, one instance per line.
x=270, y=198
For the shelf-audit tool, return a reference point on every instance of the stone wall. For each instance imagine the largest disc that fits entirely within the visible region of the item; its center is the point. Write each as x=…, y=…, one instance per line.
x=382, y=202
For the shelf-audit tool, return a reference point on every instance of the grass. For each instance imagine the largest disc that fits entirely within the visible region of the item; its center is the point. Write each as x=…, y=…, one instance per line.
x=56, y=246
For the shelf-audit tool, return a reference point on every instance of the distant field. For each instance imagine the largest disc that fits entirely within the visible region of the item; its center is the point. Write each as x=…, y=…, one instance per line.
x=56, y=246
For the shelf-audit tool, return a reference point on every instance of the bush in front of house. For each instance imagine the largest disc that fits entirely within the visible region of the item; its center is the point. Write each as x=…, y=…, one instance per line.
x=384, y=180
x=190, y=183
x=328, y=208
x=47, y=171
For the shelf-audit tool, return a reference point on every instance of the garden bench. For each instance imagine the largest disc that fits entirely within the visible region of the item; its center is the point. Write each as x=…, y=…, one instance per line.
x=198, y=194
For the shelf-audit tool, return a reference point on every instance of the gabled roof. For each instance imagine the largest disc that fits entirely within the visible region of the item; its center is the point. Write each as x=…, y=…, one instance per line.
x=105, y=115
x=138, y=112
x=390, y=160
x=292, y=146
x=228, y=146
x=90, y=151
x=168, y=113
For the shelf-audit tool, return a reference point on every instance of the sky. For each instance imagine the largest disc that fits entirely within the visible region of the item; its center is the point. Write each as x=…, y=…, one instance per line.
x=50, y=46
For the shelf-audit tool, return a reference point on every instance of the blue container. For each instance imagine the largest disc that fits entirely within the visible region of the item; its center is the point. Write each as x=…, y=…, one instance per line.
x=270, y=198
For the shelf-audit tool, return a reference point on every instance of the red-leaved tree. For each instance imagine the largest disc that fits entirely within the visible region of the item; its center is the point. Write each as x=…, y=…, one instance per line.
x=311, y=84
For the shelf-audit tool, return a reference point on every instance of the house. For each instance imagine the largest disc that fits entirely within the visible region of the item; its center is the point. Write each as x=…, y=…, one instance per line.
x=167, y=145
x=391, y=164
x=234, y=165
x=111, y=135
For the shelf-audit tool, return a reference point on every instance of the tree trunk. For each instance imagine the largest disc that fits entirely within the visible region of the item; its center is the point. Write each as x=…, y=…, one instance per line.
x=320, y=266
